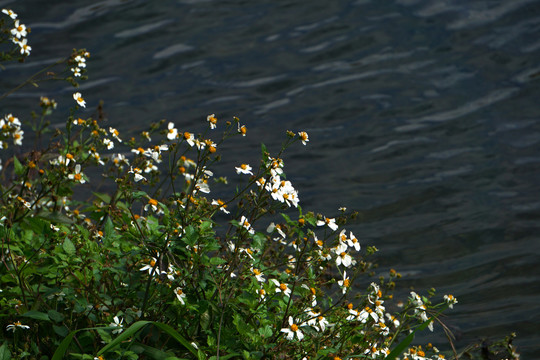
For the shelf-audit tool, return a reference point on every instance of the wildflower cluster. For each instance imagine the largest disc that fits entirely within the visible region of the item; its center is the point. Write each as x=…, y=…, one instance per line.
x=158, y=263
x=17, y=34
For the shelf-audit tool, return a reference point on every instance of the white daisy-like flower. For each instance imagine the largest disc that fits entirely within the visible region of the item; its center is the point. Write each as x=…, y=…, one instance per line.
x=450, y=300
x=345, y=283
x=281, y=287
x=115, y=134
x=221, y=204
x=18, y=136
x=212, y=120
x=79, y=99
x=180, y=295
x=331, y=222
x=292, y=330
x=15, y=325
x=353, y=242
x=117, y=324
x=244, y=169
x=19, y=31
x=25, y=48
x=149, y=267
x=81, y=61
x=108, y=143
x=242, y=129
x=303, y=137
x=246, y=225
x=76, y=71
x=137, y=174
x=172, y=132
x=77, y=175
x=190, y=138
x=258, y=274
x=344, y=259
x=10, y=13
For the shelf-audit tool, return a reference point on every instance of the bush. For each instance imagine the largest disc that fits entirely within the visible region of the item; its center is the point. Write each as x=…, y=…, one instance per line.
x=157, y=268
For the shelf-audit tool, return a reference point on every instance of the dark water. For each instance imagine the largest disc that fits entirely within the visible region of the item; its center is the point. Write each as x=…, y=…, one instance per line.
x=422, y=115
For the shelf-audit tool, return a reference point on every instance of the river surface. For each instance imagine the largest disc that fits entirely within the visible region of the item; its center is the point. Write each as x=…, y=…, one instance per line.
x=422, y=115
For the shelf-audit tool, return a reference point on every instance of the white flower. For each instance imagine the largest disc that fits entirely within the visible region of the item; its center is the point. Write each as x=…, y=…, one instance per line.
x=303, y=137
x=246, y=225
x=212, y=120
x=345, y=283
x=25, y=48
x=19, y=30
x=137, y=174
x=149, y=267
x=281, y=287
x=244, y=169
x=331, y=222
x=117, y=324
x=190, y=138
x=17, y=324
x=353, y=242
x=79, y=99
x=18, y=136
x=221, y=205
x=115, y=134
x=9, y=13
x=450, y=300
x=77, y=175
x=118, y=159
x=108, y=143
x=292, y=330
x=154, y=205
x=172, y=132
x=242, y=129
x=81, y=61
x=180, y=295
x=76, y=71
x=258, y=274
x=343, y=259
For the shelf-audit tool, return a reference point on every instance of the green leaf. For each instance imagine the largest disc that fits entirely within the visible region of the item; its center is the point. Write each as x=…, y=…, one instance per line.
x=36, y=315
x=68, y=247
x=61, y=330
x=225, y=357
x=139, y=194
x=217, y=261
x=4, y=352
x=55, y=217
x=103, y=197
x=19, y=169
x=265, y=331
x=175, y=335
x=263, y=150
x=55, y=316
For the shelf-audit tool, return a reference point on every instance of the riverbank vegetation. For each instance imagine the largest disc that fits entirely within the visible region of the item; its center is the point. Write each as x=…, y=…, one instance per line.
x=157, y=266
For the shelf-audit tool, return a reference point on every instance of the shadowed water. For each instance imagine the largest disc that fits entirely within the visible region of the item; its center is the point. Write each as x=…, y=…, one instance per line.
x=422, y=115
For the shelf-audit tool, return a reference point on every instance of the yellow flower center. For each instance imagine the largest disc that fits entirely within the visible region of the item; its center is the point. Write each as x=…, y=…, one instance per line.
x=346, y=283
x=283, y=287
x=77, y=177
x=256, y=272
x=153, y=202
x=294, y=327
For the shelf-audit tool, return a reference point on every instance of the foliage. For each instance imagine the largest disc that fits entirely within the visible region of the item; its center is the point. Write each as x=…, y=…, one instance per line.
x=155, y=268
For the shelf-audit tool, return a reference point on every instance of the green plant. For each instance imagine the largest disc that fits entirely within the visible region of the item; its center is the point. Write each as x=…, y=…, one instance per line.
x=155, y=268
